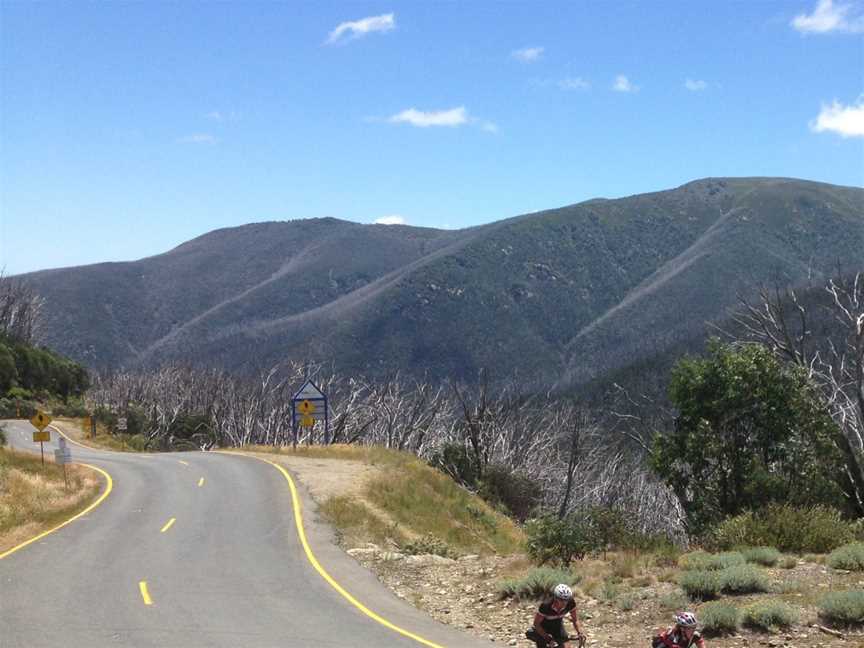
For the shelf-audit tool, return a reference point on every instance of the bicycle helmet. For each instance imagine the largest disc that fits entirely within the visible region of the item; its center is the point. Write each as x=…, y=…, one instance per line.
x=562, y=592
x=686, y=620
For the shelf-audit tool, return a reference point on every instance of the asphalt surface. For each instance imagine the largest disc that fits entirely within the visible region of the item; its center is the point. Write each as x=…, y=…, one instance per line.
x=230, y=571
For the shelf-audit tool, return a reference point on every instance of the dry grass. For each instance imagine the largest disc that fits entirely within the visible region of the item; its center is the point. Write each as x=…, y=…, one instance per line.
x=33, y=498
x=103, y=439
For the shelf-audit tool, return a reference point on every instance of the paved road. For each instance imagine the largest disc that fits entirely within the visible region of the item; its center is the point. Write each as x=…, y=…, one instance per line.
x=230, y=570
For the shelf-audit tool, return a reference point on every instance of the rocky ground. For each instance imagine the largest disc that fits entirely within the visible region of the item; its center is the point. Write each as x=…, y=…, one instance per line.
x=463, y=592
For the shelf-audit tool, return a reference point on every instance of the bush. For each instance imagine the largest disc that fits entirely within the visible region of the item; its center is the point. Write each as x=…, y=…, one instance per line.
x=537, y=583
x=626, y=602
x=845, y=608
x=667, y=555
x=17, y=408
x=74, y=408
x=849, y=557
x=769, y=615
x=625, y=565
x=2, y=436
x=788, y=562
x=766, y=556
x=703, y=561
x=742, y=579
x=818, y=529
x=138, y=442
x=454, y=460
x=719, y=618
x=516, y=493
x=674, y=601
x=559, y=541
x=428, y=544
x=700, y=585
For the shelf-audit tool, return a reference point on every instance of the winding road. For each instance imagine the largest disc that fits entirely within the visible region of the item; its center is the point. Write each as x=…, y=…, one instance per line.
x=195, y=549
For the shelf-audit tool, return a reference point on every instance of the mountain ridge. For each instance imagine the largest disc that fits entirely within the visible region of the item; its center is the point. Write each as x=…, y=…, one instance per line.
x=560, y=296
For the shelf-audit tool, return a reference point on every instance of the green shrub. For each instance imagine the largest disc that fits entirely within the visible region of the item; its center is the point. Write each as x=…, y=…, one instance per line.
x=742, y=579
x=703, y=561
x=454, y=460
x=700, y=585
x=138, y=442
x=765, y=556
x=817, y=529
x=674, y=601
x=858, y=529
x=514, y=492
x=719, y=618
x=844, y=608
x=537, y=583
x=428, y=544
x=667, y=555
x=849, y=557
x=769, y=615
x=72, y=408
x=788, y=562
x=559, y=541
x=626, y=602
x=2, y=436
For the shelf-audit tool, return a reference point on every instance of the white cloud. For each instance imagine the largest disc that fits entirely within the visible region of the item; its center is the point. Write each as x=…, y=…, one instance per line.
x=695, y=85
x=527, y=54
x=846, y=121
x=199, y=138
x=421, y=119
x=573, y=83
x=828, y=17
x=395, y=219
x=489, y=127
x=358, y=28
x=623, y=84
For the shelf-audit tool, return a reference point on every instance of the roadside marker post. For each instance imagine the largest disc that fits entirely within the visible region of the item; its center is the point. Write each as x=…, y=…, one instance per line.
x=40, y=421
x=63, y=456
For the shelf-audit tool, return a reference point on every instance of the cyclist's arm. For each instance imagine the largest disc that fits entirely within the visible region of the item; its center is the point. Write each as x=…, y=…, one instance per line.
x=575, y=619
x=538, y=626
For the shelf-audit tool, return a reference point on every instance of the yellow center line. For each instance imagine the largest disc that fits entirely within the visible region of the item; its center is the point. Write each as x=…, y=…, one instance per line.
x=144, y=593
x=301, y=532
x=200, y=482
x=185, y=463
x=168, y=525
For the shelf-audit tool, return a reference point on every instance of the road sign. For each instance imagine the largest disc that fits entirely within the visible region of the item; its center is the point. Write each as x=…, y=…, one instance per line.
x=306, y=407
x=40, y=421
x=42, y=436
x=121, y=424
x=309, y=405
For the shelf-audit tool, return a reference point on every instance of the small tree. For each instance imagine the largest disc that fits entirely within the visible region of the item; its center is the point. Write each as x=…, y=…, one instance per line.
x=749, y=432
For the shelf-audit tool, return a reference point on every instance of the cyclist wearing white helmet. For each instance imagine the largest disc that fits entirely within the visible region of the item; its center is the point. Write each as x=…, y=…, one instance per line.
x=549, y=620
x=681, y=635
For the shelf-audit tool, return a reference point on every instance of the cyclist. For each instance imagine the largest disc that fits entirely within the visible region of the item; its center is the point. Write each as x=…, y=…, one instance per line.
x=549, y=620
x=681, y=635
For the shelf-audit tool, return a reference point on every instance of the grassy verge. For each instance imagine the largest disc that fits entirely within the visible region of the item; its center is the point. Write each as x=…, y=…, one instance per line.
x=407, y=500
x=33, y=497
x=103, y=439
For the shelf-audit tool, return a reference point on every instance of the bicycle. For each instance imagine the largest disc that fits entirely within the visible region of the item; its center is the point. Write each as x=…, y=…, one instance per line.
x=534, y=636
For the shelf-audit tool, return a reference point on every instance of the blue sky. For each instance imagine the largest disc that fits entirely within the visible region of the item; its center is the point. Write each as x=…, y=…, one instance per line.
x=128, y=128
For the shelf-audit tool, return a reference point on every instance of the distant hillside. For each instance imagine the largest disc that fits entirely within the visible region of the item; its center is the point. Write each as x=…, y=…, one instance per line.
x=557, y=297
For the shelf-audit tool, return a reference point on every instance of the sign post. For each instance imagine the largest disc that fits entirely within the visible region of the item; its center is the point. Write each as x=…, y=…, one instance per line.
x=40, y=421
x=309, y=405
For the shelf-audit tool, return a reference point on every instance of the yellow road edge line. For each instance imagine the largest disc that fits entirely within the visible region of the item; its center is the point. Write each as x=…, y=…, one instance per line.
x=301, y=532
x=71, y=440
x=142, y=586
x=109, y=485
x=185, y=463
x=168, y=525
x=200, y=482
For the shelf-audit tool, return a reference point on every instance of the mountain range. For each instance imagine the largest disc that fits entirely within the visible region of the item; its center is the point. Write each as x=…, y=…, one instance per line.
x=558, y=298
